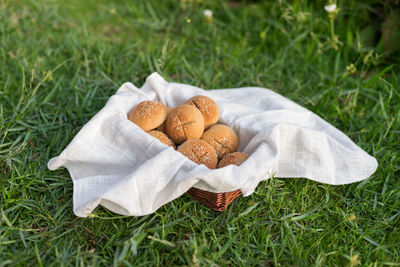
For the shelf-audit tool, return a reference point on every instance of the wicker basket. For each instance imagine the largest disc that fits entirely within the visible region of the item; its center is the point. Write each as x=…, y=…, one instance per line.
x=215, y=201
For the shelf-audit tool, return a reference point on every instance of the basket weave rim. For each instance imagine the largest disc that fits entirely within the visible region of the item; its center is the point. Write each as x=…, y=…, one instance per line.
x=215, y=201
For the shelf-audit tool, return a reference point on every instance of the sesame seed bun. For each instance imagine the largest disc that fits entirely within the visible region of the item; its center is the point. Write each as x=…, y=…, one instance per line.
x=222, y=138
x=162, y=137
x=148, y=115
x=200, y=152
x=235, y=158
x=207, y=107
x=183, y=123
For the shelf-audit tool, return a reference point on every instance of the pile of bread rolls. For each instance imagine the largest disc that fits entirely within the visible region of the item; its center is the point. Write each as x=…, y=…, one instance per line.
x=193, y=128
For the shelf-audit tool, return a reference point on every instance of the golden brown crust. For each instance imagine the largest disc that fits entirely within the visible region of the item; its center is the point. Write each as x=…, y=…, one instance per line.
x=161, y=128
x=162, y=137
x=235, y=158
x=148, y=115
x=222, y=138
x=183, y=123
x=200, y=152
x=207, y=107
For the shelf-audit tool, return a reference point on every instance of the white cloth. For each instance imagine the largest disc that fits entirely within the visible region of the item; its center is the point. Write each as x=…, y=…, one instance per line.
x=115, y=164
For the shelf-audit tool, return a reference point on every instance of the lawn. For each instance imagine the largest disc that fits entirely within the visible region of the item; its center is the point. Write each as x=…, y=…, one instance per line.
x=61, y=60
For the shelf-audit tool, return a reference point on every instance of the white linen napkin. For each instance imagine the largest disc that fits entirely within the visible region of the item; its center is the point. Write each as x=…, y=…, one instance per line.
x=114, y=163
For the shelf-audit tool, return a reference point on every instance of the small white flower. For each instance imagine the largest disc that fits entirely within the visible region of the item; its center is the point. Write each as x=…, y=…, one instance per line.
x=330, y=8
x=208, y=13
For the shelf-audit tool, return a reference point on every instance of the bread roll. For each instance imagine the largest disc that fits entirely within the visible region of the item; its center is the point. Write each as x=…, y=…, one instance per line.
x=162, y=137
x=200, y=152
x=183, y=123
x=161, y=128
x=148, y=115
x=222, y=138
x=235, y=158
x=207, y=107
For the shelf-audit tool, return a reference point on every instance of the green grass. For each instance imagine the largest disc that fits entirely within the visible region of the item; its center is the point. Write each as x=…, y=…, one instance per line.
x=61, y=60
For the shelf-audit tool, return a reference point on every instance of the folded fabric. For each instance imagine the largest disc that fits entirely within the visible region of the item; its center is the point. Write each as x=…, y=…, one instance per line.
x=114, y=163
